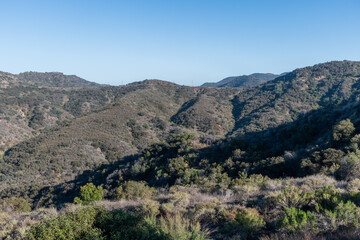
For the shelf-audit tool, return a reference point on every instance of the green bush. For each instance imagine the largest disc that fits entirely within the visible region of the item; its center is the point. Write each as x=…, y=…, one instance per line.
x=326, y=198
x=244, y=179
x=244, y=223
x=89, y=193
x=98, y=224
x=134, y=190
x=72, y=226
x=343, y=131
x=249, y=220
x=345, y=214
x=296, y=220
x=120, y=225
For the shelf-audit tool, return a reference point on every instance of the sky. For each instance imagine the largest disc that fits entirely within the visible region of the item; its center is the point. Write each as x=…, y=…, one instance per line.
x=188, y=42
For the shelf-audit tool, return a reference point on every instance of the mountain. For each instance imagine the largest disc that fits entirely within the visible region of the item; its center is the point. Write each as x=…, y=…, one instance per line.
x=144, y=114
x=112, y=122
x=49, y=79
x=287, y=97
x=32, y=101
x=254, y=152
x=244, y=80
x=54, y=79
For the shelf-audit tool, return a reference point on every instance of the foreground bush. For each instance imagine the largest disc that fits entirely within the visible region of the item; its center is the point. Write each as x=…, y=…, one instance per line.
x=95, y=223
x=245, y=222
x=344, y=215
x=6, y=225
x=180, y=228
x=78, y=225
x=297, y=220
x=15, y=204
x=120, y=225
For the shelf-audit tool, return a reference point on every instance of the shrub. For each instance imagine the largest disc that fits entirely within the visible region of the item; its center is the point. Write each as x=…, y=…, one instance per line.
x=349, y=167
x=89, y=193
x=121, y=225
x=95, y=223
x=6, y=225
x=296, y=220
x=344, y=216
x=78, y=225
x=134, y=190
x=343, y=131
x=249, y=220
x=177, y=203
x=326, y=198
x=16, y=204
x=347, y=214
x=180, y=199
x=150, y=207
x=288, y=198
x=210, y=213
x=216, y=180
x=244, y=222
x=180, y=228
x=256, y=179
x=354, y=185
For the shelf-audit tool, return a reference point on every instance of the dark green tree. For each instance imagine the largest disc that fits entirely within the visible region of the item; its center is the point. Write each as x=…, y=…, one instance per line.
x=343, y=131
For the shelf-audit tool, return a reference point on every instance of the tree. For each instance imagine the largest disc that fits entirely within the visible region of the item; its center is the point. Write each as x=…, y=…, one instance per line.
x=89, y=193
x=343, y=131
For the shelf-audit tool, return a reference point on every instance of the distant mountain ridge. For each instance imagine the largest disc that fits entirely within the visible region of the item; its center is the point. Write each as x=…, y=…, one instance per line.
x=47, y=79
x=54, y=79
x=251, y=80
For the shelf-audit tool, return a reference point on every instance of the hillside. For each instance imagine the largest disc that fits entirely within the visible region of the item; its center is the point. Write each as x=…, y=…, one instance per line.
x=252, y=80
x=128, y=119
x=54, y=79
x=288, y=97
x=30, y=102
x=49, y=79
x=144, y=114
x=286, y=149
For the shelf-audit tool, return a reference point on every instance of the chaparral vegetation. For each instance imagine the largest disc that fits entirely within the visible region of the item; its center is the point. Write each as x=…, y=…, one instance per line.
x=154, y=160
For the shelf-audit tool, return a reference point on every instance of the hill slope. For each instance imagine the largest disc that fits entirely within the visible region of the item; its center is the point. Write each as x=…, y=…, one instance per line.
x=252, y=80
x=286, y=98
x=30, y=102
x=131, y=122
x=128, y=120
x=54, y=79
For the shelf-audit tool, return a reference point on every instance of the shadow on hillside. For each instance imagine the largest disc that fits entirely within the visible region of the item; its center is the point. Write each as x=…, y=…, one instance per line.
x=183, y=108
x=236, y=112
x=311, y=131
x=65, y=192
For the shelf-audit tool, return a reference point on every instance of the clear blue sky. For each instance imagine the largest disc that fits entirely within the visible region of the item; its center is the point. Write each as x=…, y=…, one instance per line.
x=183, y=41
